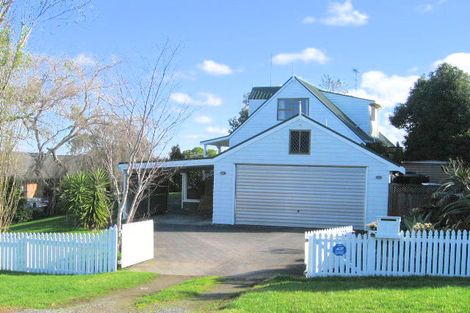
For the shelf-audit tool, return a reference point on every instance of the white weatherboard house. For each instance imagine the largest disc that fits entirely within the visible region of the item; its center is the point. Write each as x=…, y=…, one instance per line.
x=299, y=160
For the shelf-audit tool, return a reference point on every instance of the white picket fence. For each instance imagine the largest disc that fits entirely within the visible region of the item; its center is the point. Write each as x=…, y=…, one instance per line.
x=333, y=231
x=433, y=253
x=59, y=253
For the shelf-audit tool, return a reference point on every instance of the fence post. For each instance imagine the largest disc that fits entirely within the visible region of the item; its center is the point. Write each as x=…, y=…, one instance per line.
x=371, y=253
x=114, y=243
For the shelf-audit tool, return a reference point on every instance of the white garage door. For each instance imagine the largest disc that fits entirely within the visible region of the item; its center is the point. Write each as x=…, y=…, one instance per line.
x=303, y=196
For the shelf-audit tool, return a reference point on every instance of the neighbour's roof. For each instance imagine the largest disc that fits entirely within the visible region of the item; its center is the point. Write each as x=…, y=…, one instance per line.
x=23, y=165
x=262, y=93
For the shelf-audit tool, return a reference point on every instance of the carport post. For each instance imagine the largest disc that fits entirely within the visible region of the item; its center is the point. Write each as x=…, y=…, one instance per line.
x=184, y=188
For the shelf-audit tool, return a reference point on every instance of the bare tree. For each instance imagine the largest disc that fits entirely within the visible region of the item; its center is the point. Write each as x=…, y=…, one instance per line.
x=17, y=20
x=147, y=122
x=334, y=84
x=60, y=100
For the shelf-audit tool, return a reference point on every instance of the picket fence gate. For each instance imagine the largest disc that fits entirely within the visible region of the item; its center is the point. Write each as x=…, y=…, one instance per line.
x=59, y=253
x=433, y=253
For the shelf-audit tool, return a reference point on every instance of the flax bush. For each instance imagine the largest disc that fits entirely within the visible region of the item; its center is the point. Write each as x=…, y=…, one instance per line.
x=86, y=198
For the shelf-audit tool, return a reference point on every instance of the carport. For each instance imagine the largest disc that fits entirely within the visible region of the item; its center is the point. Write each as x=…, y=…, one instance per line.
x=182, y=168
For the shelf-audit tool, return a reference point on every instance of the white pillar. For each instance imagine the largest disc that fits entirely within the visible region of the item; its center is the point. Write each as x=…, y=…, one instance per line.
x=219, y=149
x=205, y=150
x=184, y=188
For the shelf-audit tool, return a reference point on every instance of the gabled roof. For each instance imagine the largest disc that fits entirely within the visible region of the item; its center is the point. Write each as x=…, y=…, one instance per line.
x=336, y=111
x=262, y=93
x=332, y=131
x=265, y=93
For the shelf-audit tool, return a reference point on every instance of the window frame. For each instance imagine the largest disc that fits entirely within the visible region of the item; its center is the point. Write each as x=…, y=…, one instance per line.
x=306, y=106
x=300, y=135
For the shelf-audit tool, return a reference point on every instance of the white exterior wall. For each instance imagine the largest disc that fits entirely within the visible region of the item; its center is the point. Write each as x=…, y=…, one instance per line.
x=326, y=149
x=356, y=109
x=375, y=124
x=254, y=104
x=266, y=116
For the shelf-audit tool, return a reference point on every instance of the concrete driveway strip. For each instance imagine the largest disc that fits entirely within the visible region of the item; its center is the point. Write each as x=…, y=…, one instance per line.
x=226, y=250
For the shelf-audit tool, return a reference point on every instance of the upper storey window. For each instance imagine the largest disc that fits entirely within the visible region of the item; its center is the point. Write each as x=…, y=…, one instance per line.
x=286, y=108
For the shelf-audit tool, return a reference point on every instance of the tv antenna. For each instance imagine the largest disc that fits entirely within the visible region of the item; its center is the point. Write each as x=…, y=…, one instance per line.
x=356, y=73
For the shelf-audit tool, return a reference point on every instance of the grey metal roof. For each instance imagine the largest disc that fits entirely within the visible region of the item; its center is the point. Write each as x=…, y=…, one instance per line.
x=262, y=93
x=336, y=111
x=385, y=140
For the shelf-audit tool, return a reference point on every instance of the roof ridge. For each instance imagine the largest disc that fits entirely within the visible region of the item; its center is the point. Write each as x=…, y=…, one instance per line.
x=336, y=111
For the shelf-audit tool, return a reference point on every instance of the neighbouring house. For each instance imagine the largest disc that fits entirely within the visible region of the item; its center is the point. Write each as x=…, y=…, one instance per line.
x=429, y=168
x=299, y=160
x=32, y=184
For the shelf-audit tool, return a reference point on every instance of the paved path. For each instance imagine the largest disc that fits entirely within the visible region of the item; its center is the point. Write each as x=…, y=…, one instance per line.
x=226, y=251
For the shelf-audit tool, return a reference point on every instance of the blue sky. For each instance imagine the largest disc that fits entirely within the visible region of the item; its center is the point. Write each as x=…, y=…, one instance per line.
x=228, y=47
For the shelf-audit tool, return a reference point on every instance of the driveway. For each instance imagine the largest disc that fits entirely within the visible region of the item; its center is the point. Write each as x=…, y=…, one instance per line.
x=201, y=249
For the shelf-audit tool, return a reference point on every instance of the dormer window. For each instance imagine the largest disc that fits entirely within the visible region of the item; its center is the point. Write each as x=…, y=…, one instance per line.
x=287, y=108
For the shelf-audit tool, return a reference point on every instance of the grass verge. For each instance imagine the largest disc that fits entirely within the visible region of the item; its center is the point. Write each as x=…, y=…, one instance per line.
x=188, y=289
x=56, y=224
x=354, y=295
x=45, y=291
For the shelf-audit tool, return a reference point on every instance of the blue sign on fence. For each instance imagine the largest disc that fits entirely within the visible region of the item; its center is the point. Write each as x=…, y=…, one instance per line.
x=339, y=249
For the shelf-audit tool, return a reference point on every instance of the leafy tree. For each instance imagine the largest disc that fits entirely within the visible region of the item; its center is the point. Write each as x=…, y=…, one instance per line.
x=236, y=121
x=175, y=153
x=86, y=198
x=436, y=116
x=197, y=153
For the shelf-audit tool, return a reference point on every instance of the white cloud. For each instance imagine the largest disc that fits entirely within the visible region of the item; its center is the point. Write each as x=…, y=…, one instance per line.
x=216, y=130
x=84, y=60
x=387, y=90
x=202, y=99
x=459, y=59
x=344, y=14
x=308, y=20
x=307, y=55
x=203, y=119
x=213, y=68
x=425, y=8
x=430, y=6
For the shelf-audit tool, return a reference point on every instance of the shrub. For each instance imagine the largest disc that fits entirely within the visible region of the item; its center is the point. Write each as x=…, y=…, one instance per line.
x=23, y=214
x=450, y=208
x=86, y=198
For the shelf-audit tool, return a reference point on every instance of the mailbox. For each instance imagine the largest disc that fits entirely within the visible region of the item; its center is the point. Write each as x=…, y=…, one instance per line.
x=388, y=227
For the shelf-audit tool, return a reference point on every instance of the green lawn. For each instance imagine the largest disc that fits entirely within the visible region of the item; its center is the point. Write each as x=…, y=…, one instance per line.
x=46, y=291
x=347, y=295
x=188, y=289
x=56, y=224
